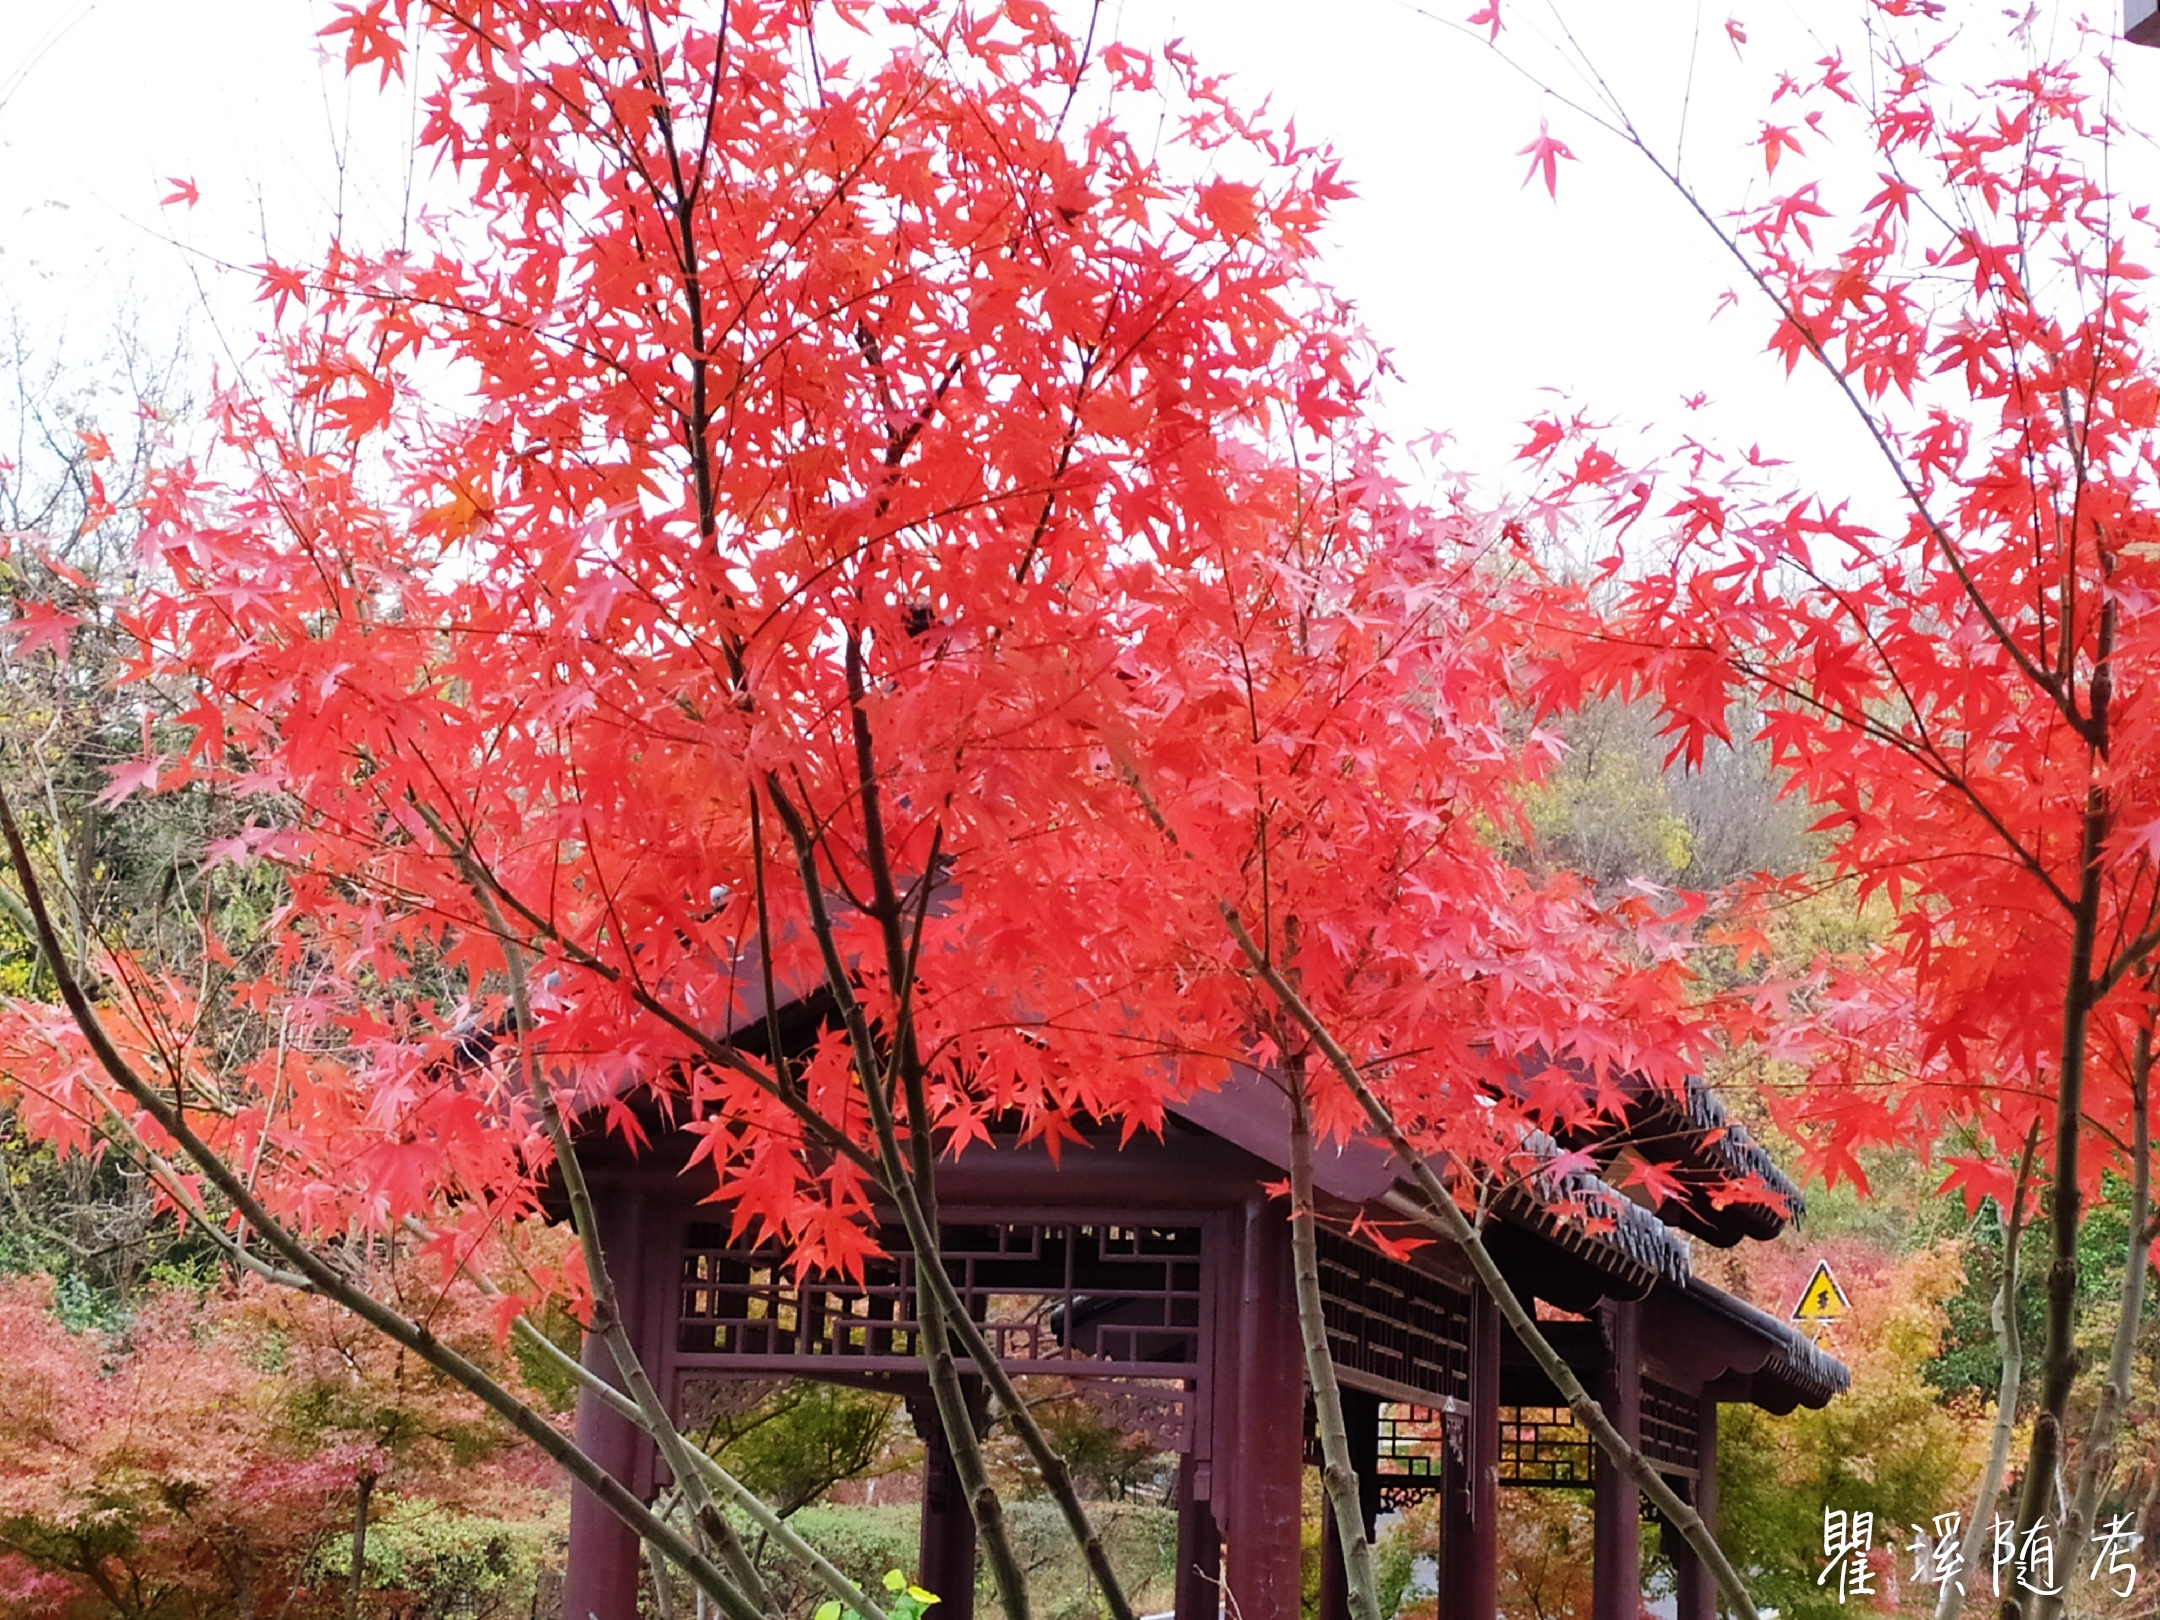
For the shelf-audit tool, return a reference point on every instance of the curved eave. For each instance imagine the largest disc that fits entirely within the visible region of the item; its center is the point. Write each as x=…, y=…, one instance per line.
x=1582, y=1214
x=1727, y=1186
x=1740, y=1158
x=1795, y=1372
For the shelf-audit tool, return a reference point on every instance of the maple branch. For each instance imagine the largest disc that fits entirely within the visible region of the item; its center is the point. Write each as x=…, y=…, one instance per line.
x=1068, y=442
x=775, y=1048
x=1841, y=379
x=901, y=958
x=713, y=1047
x=161, y=1171
x=1056, y=1473
x=326, y=1280
x=2126, y=961
x=606, y=1306
x=885, y=907
x=1441, y=1214
x=1928, y=759
x=1338, y=1473
x=768, y=1522
x=934, y=1342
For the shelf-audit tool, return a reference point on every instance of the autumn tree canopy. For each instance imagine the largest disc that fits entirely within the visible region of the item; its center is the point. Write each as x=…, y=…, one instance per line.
x=834, y=513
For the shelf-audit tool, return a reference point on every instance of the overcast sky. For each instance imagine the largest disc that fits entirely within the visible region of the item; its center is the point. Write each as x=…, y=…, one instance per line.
x=1488, y=293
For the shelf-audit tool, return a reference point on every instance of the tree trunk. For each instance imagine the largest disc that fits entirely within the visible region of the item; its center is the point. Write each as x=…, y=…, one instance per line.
x=1951, y=1598
x=2059, y=1363
x=2096, y=1458
x=356, y=1588
x=1337, y=1471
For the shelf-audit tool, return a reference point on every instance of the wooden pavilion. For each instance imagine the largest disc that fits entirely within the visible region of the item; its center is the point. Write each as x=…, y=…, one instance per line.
x=1161, y=1269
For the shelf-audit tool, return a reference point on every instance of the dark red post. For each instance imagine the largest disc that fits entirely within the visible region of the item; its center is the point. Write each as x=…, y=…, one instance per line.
x=1470, y=1506
x=945, y=1552
x=1361, y=1421
x=1698, y=1587
x=1616, y=1577
x=1260, y=1457
x=1199, y=1546
x=603, y=1568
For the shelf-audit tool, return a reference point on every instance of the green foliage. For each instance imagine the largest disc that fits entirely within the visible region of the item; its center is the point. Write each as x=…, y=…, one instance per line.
x=553, y=1383
x=862, y=1542
x=1971, y=1361
x=908, y=1602
x=1614, y=810
x=1888, y=1447
x=86, y=1221
x=434, y=1564
x=1141, y=1539
x=866, y=1542
x=806, y=1439
x=1106, y=1459
x=1395, y=1559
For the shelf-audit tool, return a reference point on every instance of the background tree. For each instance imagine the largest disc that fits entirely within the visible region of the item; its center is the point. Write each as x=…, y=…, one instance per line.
x=202, y=1461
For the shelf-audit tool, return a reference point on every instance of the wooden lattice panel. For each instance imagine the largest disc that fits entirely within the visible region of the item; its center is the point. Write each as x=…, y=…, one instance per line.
x=1414, y=1446
x=1544, y=1447
x=1106, y=1295
x=1394, y=1322
x=1670, y=1426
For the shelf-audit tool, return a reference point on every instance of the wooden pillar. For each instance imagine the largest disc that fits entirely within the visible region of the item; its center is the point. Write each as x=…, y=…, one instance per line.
x=1470, y=1504
x=1260, y=1455
x=603, y=1570
x=1698, y=1587
x=945, y=1551
x=1361, y=1421
x=1198, y=1592
x=1616, y=1575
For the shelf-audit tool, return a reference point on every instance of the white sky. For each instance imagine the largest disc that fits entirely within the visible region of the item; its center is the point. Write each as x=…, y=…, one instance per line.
x=1487, y=292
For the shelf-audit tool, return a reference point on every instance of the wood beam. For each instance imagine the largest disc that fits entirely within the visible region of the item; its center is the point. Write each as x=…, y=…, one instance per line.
x=1198, y=1590
x=1698, y=1587
x=945, y=1549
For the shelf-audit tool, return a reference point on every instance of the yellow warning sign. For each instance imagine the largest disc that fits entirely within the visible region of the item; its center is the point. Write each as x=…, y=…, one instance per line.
x=1822, y=1300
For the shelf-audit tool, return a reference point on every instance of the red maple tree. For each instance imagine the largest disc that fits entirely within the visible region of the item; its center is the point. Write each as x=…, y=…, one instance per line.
x=208, y=1458
x=1961, y=677
x=834, y=517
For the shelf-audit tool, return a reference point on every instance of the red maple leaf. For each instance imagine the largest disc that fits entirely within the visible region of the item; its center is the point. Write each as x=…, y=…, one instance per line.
x=1545, y=154
x=40, y=624
x=129, y=777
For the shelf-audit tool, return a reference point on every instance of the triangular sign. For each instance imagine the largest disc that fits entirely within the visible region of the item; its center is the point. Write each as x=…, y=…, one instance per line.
x=1822, y=1300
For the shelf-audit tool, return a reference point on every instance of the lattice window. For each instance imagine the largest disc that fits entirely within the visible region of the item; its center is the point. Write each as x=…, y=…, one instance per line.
x=1670, y=1424
x=1543, y=1446
x=1394, y=1322
x=1414, y=1444
x=1102, y=1293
